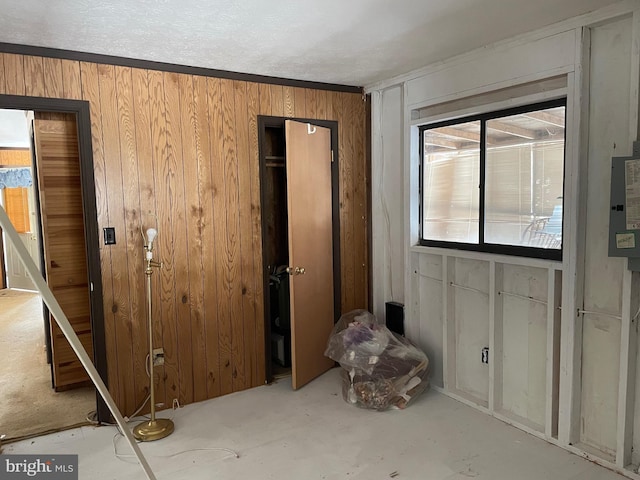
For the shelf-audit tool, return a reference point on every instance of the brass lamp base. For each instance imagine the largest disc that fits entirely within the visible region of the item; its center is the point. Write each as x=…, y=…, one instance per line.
x=153, y=430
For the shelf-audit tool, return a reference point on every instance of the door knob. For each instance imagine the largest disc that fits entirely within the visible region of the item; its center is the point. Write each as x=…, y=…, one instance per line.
x=295, y=270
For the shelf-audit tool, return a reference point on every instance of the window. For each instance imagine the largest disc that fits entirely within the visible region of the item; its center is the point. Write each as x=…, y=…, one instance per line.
x=494, y=182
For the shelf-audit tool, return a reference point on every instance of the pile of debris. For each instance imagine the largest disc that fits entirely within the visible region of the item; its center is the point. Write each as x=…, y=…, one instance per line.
x=380, y=369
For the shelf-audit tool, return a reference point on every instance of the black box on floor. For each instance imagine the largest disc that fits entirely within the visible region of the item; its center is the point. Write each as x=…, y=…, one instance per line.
x=281, y=348
x=394, y=317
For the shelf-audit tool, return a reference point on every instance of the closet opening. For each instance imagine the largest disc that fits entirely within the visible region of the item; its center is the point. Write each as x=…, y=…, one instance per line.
x=299, y=178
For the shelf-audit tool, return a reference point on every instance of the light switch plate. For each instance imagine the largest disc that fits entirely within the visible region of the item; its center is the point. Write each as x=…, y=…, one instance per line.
x=109, y=236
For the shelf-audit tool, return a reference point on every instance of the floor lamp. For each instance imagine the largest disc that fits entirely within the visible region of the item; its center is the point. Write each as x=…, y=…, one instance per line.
x=70, y=334
x=153, y=429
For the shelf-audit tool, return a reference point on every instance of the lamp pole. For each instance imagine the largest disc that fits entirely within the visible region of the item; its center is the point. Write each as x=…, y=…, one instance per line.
x=154, y=429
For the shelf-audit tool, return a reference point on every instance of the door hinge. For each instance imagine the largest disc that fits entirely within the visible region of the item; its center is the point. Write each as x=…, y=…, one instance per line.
x=91, y=286
x=331, y=156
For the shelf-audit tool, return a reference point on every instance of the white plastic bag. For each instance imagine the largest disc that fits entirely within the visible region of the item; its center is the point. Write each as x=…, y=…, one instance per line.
x=381, y=369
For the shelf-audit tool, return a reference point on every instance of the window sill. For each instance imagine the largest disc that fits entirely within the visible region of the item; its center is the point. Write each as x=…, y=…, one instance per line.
x=488, y=257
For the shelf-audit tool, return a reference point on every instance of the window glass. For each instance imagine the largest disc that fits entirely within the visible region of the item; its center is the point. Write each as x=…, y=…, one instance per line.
x=494, y=182
x=451, y=171
x=524, y=179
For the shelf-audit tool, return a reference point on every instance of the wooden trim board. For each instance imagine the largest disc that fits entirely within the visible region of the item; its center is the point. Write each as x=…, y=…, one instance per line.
x=169, y=67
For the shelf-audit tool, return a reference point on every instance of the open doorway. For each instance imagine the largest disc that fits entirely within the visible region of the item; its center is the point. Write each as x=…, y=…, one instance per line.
x=17, y=196
x=33, y=402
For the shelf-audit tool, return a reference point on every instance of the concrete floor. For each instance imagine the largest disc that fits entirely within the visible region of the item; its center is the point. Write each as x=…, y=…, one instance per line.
x=314, y=434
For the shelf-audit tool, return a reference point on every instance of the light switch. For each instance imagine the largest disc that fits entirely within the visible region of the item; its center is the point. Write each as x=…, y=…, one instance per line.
x=109, y=236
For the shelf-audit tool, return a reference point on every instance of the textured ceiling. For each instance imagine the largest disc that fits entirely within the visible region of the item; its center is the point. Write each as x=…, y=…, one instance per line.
x=352, y=42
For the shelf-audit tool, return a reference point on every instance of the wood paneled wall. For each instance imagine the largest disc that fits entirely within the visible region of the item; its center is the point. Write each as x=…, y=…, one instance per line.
x=181, y=152
x=18, y=157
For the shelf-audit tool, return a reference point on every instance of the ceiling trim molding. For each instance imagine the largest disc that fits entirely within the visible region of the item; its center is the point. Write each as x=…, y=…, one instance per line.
x=170, y=67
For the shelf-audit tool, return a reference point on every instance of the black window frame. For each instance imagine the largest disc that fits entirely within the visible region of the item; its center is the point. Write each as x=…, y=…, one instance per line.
x=482, y=246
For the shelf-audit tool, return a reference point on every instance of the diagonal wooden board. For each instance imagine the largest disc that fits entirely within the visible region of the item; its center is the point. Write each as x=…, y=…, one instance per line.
x=70, y=334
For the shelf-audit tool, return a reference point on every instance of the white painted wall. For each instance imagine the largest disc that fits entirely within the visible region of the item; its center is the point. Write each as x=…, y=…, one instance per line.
x=469, y=301
x=498, y=67
x=524, y=319
x=430, y=284
x=14, y=129
x=387, y=204
x=609, y=117
x=576, y=389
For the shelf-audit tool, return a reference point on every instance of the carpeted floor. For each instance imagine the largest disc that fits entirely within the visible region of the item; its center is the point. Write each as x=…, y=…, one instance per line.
x=28, y=404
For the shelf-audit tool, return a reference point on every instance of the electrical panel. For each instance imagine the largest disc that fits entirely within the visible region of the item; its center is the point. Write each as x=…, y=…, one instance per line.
x=624, y=216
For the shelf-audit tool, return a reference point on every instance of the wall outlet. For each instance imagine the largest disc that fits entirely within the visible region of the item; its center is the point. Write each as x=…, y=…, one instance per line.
x=158, y=357
x=485, y=355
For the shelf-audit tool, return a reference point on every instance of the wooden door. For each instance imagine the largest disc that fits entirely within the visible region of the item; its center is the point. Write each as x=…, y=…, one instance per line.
x=60, y=190
x=18, y=205
x=310, y=248
x=17, y=276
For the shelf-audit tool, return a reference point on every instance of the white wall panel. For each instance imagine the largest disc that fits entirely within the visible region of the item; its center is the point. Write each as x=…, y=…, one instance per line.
x=430, y=294
x=635, y=454
x=494, y=68
x=388, y=261
x=600, y=376
x=608, y=136
x=471, y=313
x=524, y=346
x=609, y=114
